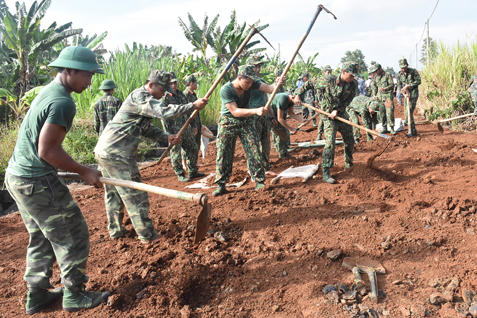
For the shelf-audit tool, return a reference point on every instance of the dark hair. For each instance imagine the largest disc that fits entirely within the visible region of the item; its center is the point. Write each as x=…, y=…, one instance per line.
x=108, y=91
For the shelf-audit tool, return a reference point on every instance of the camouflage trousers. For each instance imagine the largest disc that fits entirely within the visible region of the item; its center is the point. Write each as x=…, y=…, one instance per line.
x=57, y=228
x=135, y=201
x=281, y=145
x=367, y=122
x=386, y=114
x=229, y=129
x=413, y=103
x=262, y=125
x=188, y=149
x=305, y=112
x=331, y=127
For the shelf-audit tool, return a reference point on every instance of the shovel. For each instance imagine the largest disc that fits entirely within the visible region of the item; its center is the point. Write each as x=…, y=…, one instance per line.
x=370, y=267
x=378, y=153
x=203, y=220
x=409, y=131
x=439, y=127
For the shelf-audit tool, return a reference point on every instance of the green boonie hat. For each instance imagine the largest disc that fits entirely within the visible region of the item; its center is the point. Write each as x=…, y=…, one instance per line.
x=189, y=79
x=374, y=67
x=351, y=67
x=78, y=58
x=108, y=84
x=403, y=63
x=247, y=71
x=278, y=72
x=255, y=60
x=474, y=77
x=305, y=74
x=162, y=78
x=327, y=68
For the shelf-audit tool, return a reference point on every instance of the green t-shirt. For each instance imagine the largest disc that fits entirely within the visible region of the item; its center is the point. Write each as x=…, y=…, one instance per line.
x=53, y=105
x=258, y=98
x=229, y=95
x=280, y=101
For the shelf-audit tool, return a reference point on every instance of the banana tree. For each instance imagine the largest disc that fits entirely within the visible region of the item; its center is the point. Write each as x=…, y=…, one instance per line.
x=21, y=33
x=199, y=37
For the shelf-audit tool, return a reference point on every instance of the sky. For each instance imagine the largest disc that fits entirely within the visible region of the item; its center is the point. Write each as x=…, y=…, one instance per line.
x=385, y=31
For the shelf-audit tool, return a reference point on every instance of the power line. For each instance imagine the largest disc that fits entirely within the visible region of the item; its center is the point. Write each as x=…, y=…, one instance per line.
x=365, y=39
x=433, y=10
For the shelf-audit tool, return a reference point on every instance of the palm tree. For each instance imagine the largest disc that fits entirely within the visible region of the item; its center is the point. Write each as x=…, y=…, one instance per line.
x=200, y=38
x=22, y=34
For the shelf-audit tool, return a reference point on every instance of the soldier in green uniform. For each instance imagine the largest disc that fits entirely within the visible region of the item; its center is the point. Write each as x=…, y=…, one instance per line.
x=408, y=83
x=307, y=94
x=116, y=150
x=236, y=120
x=327, y=70
x=335, y=93
x=262, y=124
x=473, y=92
x=278, y=74
x=367, y=108
x=57, y=228
x=191, y=96
x=106, y=107
x=282, y=105
x=382, y=91
x=187, y=148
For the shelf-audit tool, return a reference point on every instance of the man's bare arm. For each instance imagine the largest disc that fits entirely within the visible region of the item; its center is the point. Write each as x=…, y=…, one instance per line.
x=50, y=150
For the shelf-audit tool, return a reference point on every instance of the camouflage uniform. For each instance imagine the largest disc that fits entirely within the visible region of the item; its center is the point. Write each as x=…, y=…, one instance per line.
x=413, y=79
x=281, y=146
x=191, y=97
x=104, y=110
x=187, y=148
x=473, y=93
x=360, y=107
x=307, y=94
x=231, y=127
x=116, y=153
x=262, y=126
x=332, y=95
x=385, y=81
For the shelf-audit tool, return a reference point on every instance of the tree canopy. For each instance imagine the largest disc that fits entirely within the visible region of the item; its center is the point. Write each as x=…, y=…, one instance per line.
x=356, y=56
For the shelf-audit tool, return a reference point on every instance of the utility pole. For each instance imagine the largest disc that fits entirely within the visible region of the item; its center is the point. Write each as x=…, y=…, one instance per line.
x=428, y=42
x=416, y=56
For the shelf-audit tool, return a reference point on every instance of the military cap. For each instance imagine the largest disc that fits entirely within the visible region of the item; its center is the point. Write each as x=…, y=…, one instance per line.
x=374, y=105
x=305, y=74
x=474, y=77
x=247, y=71
x=162, y=78
x=255, y=60
x=189, y=79
x=374, y=67
x=108, y=84
x=78, y=58
x=403, y=63
x=278, y=72
x=173, y=77
x=327, y=68
x=351, y=67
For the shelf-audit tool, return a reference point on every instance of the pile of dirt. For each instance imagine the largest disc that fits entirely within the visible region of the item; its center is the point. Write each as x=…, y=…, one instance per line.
x=267, y=252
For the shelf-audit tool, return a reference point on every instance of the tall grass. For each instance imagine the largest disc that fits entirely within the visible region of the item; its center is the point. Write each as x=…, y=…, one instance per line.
x=8, y=139
x=445, y=81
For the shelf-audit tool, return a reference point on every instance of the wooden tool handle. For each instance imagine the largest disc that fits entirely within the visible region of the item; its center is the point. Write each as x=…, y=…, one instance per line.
x=357, y=277
x=458, y=117
x=285, y=71
x=199, y=198
x=303, y=124
x=347, y=122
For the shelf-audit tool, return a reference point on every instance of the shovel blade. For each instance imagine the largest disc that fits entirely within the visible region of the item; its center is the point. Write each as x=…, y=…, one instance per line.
x=203, y=221
x=366, y=263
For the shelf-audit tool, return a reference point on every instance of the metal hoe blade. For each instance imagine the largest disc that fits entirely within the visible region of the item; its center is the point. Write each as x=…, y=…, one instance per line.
x=203, y=221
x=256, y=31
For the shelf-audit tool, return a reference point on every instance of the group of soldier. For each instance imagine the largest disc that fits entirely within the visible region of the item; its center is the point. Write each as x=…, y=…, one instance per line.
x=57, y=228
